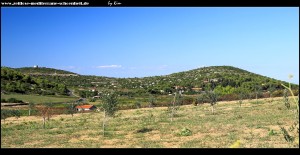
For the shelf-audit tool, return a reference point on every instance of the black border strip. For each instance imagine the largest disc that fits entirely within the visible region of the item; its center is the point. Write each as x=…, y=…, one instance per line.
x=147, y=3
x=139, y=151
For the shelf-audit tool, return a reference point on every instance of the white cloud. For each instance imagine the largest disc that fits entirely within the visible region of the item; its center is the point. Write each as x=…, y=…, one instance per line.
x=109, y=66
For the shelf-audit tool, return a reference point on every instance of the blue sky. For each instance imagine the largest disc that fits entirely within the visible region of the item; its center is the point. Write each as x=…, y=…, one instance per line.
x=148, y=41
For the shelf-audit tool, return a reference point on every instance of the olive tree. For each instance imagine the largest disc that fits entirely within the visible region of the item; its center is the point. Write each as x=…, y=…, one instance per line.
x=109, y=106
x=152, y=101
x=45, y=112
x=257, y=91
x=71, y=109
x=174, y=106
x=213, y=98
x=31, y=106
x=271, y=90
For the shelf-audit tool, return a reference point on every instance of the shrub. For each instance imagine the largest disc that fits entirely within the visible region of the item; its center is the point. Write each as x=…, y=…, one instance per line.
x=137, y=104
x=229, y=97
x=185, y=132
x=143, y=130
x=187, y=100
x=278, y=93
x=201, y=99
x=9, y=113
x=92, y=100
x=272, y=132
x=13, y=100
x=152, y=101
x=296, y=92
x=292, y=134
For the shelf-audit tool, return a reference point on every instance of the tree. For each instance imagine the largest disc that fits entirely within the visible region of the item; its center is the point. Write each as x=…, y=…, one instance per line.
x=212, y=97
x=152, y=101
x=257, y=90
x=271, y=89
x=137, y=104
x=242, y=96
x=201, y=99
x=30, y=107
x=45, y=112
x=71, y=109
x=177, y=100
x=49, y=114
x=109, y=106
x=292, y=134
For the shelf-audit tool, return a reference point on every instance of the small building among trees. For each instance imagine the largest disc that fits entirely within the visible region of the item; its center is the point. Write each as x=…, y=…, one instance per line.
x=85, y=107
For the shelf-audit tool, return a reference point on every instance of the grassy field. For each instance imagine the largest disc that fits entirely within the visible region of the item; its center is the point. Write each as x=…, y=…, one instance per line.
x=254, y=125
x=39, y=99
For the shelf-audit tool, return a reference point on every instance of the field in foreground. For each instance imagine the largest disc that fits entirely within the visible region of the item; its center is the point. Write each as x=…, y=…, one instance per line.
x=255, y=125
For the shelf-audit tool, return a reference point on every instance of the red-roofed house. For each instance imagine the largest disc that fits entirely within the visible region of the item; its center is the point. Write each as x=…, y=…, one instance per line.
x=85, y=107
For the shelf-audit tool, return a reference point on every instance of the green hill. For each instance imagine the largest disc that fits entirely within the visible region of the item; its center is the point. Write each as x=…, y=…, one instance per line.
x=43, y=71
x=190, y=82
x=225, y=79
x=13, y=81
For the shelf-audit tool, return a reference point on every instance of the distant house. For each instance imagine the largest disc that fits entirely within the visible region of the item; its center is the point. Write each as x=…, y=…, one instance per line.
x=85, y=107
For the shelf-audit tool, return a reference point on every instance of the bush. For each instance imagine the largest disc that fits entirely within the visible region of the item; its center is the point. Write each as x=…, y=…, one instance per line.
x=9, y=113
x=185, y=132
x=296, y=92
x=92, y=100
x=272, y=132
x=3, y=100
x=138, y=104
x=229, y=97
x=188, y=100
x=13, y=100
x=277, y=93
x=201, y=99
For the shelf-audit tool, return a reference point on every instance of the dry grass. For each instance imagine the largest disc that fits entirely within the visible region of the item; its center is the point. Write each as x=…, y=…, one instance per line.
x=250, y=124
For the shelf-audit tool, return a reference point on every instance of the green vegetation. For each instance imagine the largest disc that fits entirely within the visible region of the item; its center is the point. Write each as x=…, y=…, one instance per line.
x=174, y=106
x=135, y=128
x=11, y=100
x=109, y=106
x=226, y=80
x=13, y=81
x=5, y=113
x=185, y=132
x=49, y=92
x=42, y=70
x=39, y=99
x=292, y=134
x=213, y=98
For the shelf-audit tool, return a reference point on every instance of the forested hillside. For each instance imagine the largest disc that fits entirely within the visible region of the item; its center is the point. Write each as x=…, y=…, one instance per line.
x=13, y=81
x=225, y=80
x=42, y=70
